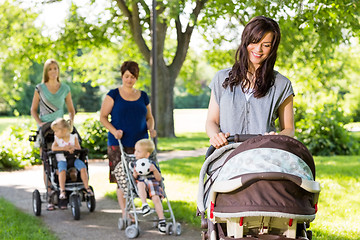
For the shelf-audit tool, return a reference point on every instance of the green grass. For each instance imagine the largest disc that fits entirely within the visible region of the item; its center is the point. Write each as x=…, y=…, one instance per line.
x=339, y=203
x=184, y=141
x=14, y=224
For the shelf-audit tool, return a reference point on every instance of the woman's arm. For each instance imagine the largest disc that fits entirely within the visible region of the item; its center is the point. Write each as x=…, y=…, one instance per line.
x=34, y=108
x=70, y=107
x=212, y=126
x=105, y=111
x=77, y=144
x=286, y=117
x=150, y=122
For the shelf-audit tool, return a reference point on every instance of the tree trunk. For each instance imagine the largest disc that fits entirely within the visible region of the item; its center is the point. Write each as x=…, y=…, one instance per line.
x=164, y=101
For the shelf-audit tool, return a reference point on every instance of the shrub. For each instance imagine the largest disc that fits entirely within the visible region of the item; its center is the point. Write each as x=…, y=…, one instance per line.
x=322, y=130
x=15, y=149
x=94, y=137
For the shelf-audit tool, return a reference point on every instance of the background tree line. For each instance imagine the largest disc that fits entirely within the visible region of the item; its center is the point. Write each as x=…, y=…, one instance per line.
x=318, y=53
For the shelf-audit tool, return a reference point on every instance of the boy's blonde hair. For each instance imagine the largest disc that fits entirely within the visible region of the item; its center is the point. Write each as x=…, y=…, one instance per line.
x=62, y=123
x=147, y=144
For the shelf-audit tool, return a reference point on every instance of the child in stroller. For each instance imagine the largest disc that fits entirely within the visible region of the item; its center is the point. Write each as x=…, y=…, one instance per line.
x=260, y=187
x=149, y=185
x=124, y=171
x=75, y=189
x=65, y=141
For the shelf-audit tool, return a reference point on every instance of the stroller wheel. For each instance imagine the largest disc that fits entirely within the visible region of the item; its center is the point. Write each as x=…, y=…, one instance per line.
x=309, y=234
x=177, y=229
x=91, y=203
x=155, y=222
x=36, y=200
x=132, y=231
x=121, y=223
x=169, y=229
x=75, y=206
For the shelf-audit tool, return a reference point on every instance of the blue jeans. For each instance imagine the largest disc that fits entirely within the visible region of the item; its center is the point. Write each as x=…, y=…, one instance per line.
x=62, y=165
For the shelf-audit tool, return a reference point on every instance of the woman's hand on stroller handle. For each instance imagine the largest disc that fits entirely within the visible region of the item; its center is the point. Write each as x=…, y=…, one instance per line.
x=220, y=139
x=230, y=139
x=118, y=134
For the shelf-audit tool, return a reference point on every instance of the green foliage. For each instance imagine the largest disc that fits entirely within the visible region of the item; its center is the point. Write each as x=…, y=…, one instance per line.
x=183, y=99
x=22, y=45
x=322, y=130
x=15, y=149
x=15, y=224
x=94, y=137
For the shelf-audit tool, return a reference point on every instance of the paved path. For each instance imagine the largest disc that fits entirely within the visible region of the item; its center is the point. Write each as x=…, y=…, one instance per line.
x=17, y=187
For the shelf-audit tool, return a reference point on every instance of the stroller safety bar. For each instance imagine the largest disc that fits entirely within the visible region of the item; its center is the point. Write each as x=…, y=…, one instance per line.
x=77, y=151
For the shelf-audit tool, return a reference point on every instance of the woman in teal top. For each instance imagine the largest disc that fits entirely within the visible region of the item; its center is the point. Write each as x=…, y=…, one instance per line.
x=49, y=99
x=51, y=95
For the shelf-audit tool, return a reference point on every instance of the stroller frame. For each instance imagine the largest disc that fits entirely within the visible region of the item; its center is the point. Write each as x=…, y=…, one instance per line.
x=75, y=191
x=133, y=230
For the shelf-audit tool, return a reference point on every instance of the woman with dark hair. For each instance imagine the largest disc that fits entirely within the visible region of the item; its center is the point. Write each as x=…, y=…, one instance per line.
x=131, y=119
x=250, y=96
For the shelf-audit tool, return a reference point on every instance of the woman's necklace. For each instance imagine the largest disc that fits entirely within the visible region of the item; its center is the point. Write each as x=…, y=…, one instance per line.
x=129, y=94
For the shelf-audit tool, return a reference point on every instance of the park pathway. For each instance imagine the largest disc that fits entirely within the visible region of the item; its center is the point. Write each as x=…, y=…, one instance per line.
x=17, y=187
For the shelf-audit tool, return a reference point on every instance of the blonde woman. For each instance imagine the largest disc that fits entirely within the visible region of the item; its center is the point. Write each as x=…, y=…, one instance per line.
x=51, y=95
x=48, y=102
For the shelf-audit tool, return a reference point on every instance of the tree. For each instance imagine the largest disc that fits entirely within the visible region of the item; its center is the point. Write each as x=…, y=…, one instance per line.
x=311, y=30
x=21, y=47
x=315, y=27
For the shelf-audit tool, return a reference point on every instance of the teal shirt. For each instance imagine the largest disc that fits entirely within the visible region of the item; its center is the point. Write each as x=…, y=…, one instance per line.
x=52, y=105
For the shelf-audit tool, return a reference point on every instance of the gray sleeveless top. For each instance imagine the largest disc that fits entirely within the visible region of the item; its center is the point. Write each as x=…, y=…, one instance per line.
x=255, y=116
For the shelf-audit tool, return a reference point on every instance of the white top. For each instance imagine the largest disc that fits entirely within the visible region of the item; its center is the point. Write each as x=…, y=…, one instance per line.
x=62, y=143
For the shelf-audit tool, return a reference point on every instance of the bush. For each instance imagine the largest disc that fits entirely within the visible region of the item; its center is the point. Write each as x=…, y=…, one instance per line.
x=15, y=149
x=94, y=137
x=322, y=131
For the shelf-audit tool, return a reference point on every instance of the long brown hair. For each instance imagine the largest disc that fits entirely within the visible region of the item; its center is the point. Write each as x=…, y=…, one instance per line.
x=253, y=32
x=46, y=70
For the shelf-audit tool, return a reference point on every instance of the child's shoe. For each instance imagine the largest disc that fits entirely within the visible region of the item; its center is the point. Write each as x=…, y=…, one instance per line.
x=162, y=226
x=145, y=210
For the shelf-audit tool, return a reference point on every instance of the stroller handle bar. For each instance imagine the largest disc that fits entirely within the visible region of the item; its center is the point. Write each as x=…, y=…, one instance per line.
x=232, y=139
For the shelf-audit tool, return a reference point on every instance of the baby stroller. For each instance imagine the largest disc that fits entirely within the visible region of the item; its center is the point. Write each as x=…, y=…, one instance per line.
x=132, y=229
x=262, y=188
x=75, y=190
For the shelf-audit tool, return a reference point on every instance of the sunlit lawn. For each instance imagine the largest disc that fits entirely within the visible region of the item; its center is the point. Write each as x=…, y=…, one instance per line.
x=339, y=204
